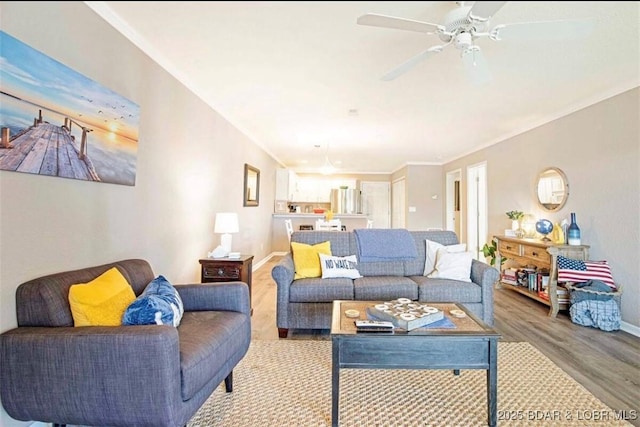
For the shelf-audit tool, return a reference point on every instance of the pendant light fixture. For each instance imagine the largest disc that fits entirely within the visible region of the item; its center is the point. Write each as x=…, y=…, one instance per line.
x=327, y=168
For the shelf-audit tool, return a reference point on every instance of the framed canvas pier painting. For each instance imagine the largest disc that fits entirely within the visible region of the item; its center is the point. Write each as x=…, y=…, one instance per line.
x=57, y=122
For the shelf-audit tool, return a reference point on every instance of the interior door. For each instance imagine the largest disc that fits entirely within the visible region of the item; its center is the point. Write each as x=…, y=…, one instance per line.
x=453, y=217
x=477, y=222
x=398, y=204
x=376, y=202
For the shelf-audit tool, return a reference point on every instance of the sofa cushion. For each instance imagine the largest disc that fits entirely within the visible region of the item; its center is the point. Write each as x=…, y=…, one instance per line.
x=321, y=290
x=341, y=242
x=452, y=265
x=379, y=288
x=335, y=266
x=102, y=301
x=208, y=340
x=306, y=259
x=445, y=290
x=389, y=268
x=159, y=304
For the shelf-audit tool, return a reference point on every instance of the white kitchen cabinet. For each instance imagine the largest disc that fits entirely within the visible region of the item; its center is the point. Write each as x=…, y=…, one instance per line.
x=286, y=183
x=310, y=189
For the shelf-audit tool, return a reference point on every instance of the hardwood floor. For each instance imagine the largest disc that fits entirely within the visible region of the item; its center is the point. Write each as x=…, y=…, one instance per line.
x=605, y=363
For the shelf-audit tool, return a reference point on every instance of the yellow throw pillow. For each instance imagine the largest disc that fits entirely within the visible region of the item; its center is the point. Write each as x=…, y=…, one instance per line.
x=306, y=259
x=102, y=301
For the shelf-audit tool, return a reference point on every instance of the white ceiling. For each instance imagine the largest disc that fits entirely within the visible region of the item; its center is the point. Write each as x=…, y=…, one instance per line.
x=288, y=74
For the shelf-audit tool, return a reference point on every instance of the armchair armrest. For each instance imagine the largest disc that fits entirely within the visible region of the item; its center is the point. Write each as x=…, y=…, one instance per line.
x=89, y=374
x=221, y=296
x=284, y=272
x=485, y=276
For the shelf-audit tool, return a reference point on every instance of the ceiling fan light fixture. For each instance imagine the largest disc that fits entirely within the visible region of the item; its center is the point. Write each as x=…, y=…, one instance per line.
x=463, y=41
x=464, y=24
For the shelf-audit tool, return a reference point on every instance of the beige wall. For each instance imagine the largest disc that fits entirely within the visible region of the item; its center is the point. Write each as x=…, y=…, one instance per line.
x=423, y=183
x=189, y=166
x=599, y=150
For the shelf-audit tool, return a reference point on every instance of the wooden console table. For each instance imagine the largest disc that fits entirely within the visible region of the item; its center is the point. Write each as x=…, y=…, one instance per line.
x=228, y=270
x=542, y=255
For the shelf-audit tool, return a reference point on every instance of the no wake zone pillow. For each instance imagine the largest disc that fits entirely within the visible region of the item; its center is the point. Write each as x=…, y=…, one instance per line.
x=335, y=266
x=158, y=304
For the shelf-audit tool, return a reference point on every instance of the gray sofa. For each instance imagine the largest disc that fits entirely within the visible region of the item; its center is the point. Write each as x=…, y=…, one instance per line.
x=306, y=303
x=152, y=375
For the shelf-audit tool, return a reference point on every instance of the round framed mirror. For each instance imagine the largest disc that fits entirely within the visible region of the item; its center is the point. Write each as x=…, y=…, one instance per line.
x=552, y=189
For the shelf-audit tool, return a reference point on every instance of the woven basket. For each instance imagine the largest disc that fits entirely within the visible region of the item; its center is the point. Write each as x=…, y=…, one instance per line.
x=579, y=294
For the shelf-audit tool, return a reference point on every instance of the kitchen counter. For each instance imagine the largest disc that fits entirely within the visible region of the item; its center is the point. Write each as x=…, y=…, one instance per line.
x=280, y=241
x=316, y=216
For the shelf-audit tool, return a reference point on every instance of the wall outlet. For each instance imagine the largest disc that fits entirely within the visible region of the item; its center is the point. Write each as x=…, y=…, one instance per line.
x=412, y=208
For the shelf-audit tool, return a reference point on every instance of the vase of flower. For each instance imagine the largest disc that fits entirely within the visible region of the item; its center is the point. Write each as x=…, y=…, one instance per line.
x=516, y=225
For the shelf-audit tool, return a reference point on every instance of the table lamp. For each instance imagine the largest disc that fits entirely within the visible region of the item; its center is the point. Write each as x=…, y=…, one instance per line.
x=226, y=223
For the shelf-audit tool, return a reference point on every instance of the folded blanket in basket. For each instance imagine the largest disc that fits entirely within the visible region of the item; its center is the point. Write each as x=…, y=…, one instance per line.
x=385, y=245
x=591, y=290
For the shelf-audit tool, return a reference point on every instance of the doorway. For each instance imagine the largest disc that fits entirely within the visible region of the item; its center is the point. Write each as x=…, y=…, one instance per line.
x=398, y=202
x=453, y=218
x=477, y=221
x=376, y=201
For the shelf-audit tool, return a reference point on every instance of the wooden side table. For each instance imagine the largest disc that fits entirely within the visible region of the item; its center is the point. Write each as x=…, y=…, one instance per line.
x=227, y=270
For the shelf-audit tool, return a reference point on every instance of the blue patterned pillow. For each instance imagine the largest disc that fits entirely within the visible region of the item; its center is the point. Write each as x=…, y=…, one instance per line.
x=158, y=304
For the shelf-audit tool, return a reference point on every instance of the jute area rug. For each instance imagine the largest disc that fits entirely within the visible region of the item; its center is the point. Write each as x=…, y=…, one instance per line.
x=288, y=383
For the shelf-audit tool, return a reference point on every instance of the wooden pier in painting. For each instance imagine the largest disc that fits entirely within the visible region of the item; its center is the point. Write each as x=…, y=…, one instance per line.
x=47, y=149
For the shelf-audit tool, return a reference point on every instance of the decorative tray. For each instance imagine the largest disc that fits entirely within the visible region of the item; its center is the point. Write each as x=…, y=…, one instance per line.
x=405, y=314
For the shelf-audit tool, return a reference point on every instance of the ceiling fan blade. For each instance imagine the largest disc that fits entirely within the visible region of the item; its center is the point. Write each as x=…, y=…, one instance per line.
x=484, y=10
x=384, y=21
x=476, y=66
x=407, y=65
x=544, y=30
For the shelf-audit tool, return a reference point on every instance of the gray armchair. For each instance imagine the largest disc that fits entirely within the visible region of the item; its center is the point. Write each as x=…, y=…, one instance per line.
x=137, y=376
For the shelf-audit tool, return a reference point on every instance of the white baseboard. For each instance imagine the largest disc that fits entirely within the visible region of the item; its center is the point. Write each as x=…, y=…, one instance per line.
x=632, y=329
x=260, y=263
x=257, y=265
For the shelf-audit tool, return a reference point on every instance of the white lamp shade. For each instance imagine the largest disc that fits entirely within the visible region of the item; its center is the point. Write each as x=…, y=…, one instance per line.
x=226, y=222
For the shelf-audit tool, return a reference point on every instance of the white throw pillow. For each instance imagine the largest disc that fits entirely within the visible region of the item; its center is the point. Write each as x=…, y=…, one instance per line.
x=452, y=265
x=335, y=266
x=432, y=250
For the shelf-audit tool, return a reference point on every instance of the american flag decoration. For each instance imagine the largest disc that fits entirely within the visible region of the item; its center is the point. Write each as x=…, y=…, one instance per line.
x=574, y=270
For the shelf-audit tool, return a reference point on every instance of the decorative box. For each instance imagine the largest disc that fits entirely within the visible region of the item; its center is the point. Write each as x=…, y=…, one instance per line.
x=405, y=314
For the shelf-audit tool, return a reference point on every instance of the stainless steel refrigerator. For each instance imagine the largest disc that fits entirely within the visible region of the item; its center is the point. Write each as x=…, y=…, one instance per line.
x=346, y=201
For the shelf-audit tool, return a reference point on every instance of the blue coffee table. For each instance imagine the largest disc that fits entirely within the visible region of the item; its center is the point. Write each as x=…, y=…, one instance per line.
x=470, y=345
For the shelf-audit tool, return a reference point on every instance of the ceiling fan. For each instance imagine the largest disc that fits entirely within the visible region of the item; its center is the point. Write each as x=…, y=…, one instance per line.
x=461, y=27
